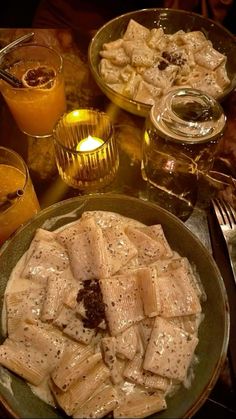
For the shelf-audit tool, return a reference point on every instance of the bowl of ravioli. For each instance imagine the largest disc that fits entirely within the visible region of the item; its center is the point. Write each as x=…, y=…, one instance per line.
x=136, y=58
x=109, y=305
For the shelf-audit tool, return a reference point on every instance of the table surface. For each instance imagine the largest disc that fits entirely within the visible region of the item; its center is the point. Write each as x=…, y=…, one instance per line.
x=82, y=92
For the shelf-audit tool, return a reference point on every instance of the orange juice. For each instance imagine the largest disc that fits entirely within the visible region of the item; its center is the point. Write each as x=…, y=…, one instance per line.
x=15, y=208
x=36, y=106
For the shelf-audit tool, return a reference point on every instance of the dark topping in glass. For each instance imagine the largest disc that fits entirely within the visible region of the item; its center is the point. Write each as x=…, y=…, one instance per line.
x=94, y=306
x=38, y=77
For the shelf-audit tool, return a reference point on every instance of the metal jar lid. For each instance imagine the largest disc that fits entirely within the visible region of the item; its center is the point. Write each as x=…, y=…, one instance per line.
x=189, y=116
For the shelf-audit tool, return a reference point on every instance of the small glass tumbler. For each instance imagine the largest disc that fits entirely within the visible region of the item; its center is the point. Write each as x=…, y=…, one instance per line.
x=86, y=150
x=18, y=201
x=40, y=100
x=179, y=144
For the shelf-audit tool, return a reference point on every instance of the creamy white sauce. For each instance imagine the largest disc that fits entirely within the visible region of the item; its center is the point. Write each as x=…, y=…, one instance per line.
x=50, y=223
x=17, y=283
x=191, y=374
x=43, y=392
x=14, y=284
x=6, y=380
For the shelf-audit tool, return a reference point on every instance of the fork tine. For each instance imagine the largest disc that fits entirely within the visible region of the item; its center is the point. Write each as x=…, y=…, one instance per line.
x=218, y=211
x=230, y=213
x=225, y=212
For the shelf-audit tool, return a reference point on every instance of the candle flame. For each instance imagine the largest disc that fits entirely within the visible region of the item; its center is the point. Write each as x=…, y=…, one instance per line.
x=89, y=144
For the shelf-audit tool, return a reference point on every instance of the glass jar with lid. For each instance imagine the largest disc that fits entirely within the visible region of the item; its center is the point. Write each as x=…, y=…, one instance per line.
x=180, y=140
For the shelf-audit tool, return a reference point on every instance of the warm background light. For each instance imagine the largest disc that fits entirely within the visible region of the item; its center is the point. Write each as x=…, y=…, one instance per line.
x=78, y=115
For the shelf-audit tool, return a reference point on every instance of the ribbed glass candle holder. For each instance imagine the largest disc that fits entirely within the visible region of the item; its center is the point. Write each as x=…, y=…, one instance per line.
x=85, y=149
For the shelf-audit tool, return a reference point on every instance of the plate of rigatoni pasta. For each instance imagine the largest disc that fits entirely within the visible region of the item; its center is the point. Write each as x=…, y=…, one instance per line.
x=138, y=57
x=111, y=307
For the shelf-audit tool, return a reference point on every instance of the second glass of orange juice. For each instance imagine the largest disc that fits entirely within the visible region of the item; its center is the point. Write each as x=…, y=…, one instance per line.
x=18, y=201
x=40, y=101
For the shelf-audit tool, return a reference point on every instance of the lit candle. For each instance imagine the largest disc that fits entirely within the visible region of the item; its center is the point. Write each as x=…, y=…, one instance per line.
x=86, y=151
x=89, y=144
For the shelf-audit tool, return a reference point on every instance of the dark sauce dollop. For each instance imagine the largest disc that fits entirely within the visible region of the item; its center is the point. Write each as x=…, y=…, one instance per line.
x=94, y=306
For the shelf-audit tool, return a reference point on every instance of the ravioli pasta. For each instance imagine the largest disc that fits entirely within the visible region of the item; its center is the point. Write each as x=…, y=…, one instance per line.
x=102, y=316
x=145, y=63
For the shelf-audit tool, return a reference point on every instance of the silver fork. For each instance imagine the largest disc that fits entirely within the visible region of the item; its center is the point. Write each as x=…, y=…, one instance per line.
x=226, y=217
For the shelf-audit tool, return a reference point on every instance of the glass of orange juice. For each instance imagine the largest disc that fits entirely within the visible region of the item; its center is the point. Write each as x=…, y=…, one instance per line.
x=18, y=201
x=40, y=100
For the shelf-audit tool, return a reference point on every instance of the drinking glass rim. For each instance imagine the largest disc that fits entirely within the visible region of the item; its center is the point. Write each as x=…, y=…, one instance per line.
x=79, y=152
x=26, y=173
x=46, y=47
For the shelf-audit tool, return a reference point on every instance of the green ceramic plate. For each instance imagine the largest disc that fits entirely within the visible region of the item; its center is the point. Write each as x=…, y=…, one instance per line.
x=213, y=333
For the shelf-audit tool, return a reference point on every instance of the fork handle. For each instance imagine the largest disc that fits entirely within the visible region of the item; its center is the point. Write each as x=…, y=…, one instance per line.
x=232, y=257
